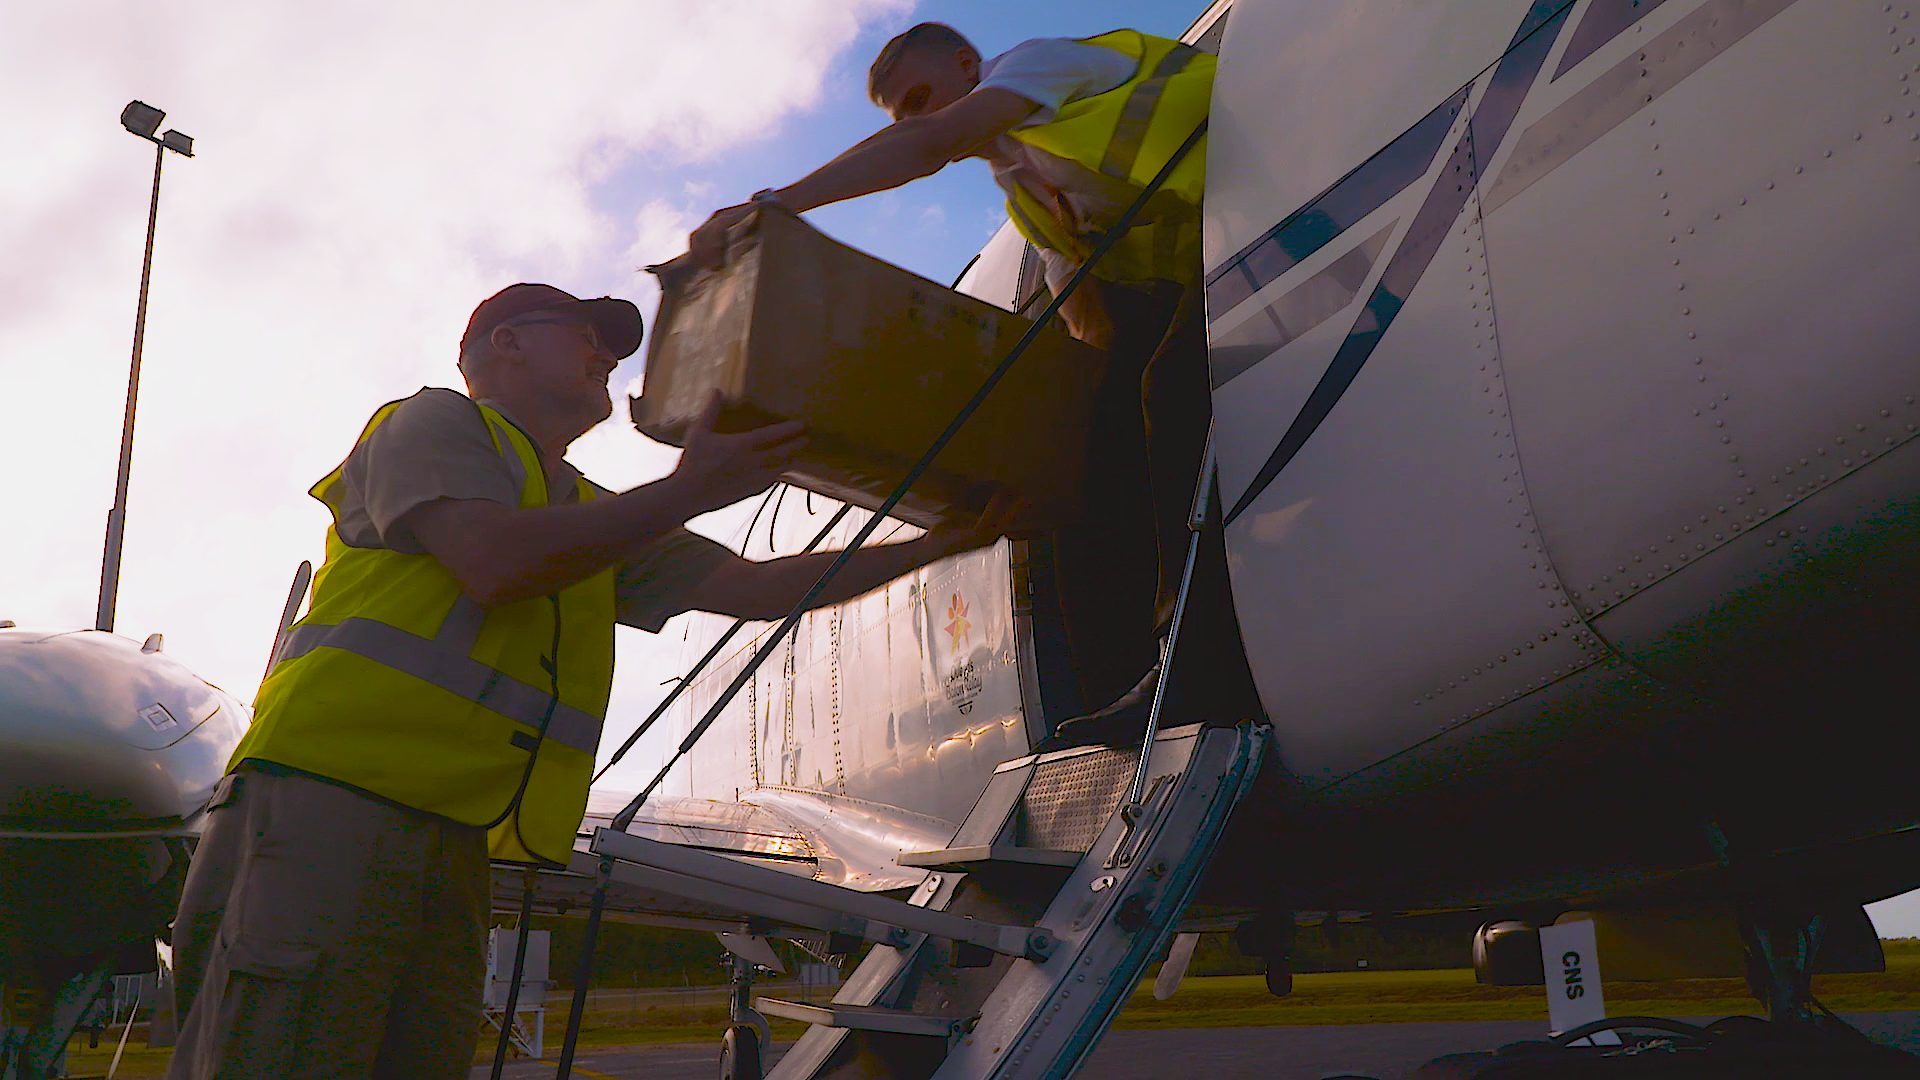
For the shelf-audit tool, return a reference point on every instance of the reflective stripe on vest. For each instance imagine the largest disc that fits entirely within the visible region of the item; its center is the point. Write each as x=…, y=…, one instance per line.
x=444, y=662
x=1135, y=116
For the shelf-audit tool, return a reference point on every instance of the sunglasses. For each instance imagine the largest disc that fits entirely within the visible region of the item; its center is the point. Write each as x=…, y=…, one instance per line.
x=592, y=334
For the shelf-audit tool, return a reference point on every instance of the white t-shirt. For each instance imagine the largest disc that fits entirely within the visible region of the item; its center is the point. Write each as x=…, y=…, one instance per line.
x=1051, y=72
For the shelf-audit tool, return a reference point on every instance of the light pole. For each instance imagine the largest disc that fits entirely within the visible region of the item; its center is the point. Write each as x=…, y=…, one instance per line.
x=143, y=120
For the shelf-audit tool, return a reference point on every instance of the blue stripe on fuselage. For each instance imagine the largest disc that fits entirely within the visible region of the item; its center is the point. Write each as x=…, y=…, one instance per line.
x=1512, y=78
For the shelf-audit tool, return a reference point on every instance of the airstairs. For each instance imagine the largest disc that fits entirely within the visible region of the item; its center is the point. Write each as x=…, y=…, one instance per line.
x=1026, y=937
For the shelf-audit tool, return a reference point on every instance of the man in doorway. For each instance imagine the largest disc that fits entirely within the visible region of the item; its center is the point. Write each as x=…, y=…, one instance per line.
x=442, y=700
x=1074, y=132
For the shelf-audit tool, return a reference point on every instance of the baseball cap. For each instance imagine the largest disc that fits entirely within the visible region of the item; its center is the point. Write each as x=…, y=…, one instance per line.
x=616, y=321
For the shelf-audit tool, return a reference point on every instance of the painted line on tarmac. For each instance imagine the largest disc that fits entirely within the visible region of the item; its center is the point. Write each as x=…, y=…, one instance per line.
x=589, y=1073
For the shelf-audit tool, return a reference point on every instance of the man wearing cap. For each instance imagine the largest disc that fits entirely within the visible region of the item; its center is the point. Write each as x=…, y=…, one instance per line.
x=441, y=702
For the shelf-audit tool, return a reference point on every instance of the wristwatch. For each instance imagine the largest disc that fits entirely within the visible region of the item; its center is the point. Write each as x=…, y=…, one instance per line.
x=767, y=197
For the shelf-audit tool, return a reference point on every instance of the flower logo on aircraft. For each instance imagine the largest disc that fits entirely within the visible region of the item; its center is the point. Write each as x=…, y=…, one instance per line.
x=959, y=629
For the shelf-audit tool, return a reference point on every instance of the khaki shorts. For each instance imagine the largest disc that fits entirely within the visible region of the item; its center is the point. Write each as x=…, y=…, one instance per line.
x=323, y=933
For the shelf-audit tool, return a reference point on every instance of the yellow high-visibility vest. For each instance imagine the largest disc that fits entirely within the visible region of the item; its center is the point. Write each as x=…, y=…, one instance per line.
x=1129, y=133
x=399, y=684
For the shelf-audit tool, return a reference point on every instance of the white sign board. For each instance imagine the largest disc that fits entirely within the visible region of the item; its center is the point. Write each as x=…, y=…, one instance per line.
x=502, y=947
x=1572, y=962
x=754, y=949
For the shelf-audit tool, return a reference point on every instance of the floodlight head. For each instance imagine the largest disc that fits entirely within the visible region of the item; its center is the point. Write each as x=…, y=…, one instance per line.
x=141, y=118
x=178, y=143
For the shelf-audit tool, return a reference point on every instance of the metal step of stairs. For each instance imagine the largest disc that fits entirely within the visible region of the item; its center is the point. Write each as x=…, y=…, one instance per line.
x=775, y=903
x=868, y=1018
x=1048, y=845
x=963, y=860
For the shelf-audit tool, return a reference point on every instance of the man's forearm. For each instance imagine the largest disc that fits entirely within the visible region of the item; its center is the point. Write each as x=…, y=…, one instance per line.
x=543, y=550
x=894, y=155
x=787, y=580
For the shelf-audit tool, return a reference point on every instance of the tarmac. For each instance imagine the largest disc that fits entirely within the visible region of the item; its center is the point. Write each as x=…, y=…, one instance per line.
x=1382, y=1051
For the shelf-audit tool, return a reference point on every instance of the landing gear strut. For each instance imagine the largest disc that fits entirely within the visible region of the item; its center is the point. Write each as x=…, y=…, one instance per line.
x=1781, y=945
x=1271, y=937
x=742, y=1048
x=33, y=1039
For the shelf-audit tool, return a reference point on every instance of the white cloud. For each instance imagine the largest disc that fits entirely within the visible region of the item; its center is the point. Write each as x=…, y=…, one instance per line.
x=366, y=172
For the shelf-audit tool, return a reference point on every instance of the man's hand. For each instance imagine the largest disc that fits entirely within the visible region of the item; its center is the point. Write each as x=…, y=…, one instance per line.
x=896, y=154
x=708, y=244
x=718, y=470
x=1005, y=515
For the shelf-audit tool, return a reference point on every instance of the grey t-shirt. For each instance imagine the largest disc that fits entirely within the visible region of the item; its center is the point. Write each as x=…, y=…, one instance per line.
x=436, y=446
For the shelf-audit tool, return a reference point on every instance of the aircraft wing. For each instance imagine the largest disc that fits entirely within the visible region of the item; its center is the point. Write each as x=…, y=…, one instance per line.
x=835, y=840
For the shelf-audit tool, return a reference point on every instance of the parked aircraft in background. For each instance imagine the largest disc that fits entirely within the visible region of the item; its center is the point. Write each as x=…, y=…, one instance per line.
x=109, y=751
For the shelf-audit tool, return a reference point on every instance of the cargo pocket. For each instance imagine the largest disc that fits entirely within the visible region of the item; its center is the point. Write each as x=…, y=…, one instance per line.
x=285, y=961
x=263, y=1007
x=226, y=792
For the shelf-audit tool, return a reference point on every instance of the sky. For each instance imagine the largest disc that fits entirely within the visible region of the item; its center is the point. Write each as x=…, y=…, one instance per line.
x=364, y=173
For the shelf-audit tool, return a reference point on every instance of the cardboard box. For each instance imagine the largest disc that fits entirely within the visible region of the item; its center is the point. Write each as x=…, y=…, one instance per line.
x=876, y=361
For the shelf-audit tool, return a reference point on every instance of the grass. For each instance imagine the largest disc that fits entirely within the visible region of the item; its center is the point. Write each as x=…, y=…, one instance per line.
x=1395, y=997
x=1348, y=997
x=646, y=1026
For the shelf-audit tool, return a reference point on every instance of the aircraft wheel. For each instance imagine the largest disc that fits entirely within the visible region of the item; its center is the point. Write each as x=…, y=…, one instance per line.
x=740, y=1053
